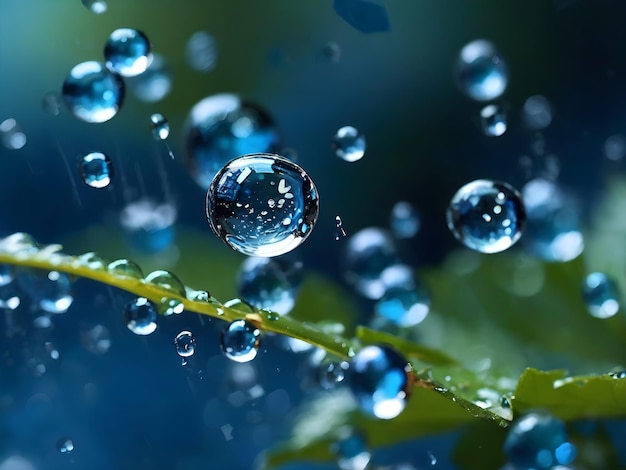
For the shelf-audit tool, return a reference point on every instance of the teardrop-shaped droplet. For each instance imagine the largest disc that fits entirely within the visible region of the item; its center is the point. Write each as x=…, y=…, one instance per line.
x=125, y=268
x=240, y=341
x=140, y=316
x=166, y=280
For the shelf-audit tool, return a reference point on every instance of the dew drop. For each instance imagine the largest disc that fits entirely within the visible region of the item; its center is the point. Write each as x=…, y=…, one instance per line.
x=96, y=340
x=90, y=260
x=403, y=306
x=600, y=294
x=481, y=72
x=537, y=112
x=240, y=305
x=51, y=291
x=349, y=144
x=12, y=135
x=200, y=296
x=125, y=268
x=185, y=344
x=222, y=127
x=169, y=306
x=65, y=445
x=201, y=51
x=160, y=126
x=240, y=213
x=155, y=83
x=127, y=52
x=272, y=316
x=95, y=6
x=351, y=450
x=333, y=373
x=404, y=220
x=96, y=169
x=140, y=316
x=240, y=341
x=166, y=280
x=379, y=381
x=486, y=216
x=493, y=120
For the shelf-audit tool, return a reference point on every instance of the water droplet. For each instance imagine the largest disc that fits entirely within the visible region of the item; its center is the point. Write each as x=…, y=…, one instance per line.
x=615, y=147
x=378, y=379
x=404, y=220
x=200, y=296
x=222, y=127
x=90, y=260
x=339, y=230
x=240, y=305
x=333, y=373
x=432, y=458
x=331, y=51
x=96, y=340
x=493, y=120
x=262, y=205
x=65, y=445
x=155, y=83
x=12, y=135
x=240, y=341
x=349, y=144
x=553, y=228
x=19, y=243
x=127, y=52
x=351, y=448
x=10, y=296
x=270, y=283
x=601, y=296
x=96, y=169
x=486, y=216
x=7, y=274
x=537, y=112
x=620, y=374
x=272, y=316
x=185, y=344
x=538, y=441
x=368, y=253
x=170, y=306
x=160, y=126
x=404, y=306
x=201, y=51
x=51, y=103
x=125, y=268
x=481, y=72
x=141, y=316
x=96, y=6
x=51, y=290
x=166, y=280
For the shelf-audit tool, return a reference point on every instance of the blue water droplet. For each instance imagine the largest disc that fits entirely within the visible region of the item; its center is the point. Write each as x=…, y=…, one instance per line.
x=51, y=103
x=378, y=378
x=222, y=127
x=538, y=441
x=50, y=290
x=12, y=135
x=169, y=306
x=240, y=341
x=7, y=274
x=65, y=445
x=351, y=448
x=404, y=306
x=368, y=253
x=160, y=126
x=481, y=72
x=96, y=6
x=270, y=283
x=155, y=83
x=96, y=169
x=493, y=120
x=601, y=295
x=333, y=373
x=537, y=112
x=141, y=316
x=486, y=216
x=553, y=227
x=404, y=220
x=201, y=51
x=127, y=52
x=340, y=232
x=185, y=344
x=97, y=340
x=262, y=205
x=92, y=93
x=349, y=144
x=366, y=16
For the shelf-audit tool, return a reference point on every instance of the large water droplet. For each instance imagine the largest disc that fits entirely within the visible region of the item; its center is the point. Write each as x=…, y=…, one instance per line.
x=351, y=448
x=368, y=253
x=96, y=169
x=65, y=445
x=222, y=127
x=480, y=71
x=553, y=228
x=155, y=83
x=404, y=220
x=240, y=341
x=141, y=316
x=92, y=93
x=125, y=268
x=51, y=290
x=262, y=205
x=97, y=340
x=96, y=6
x=404, y=306
x=349, y=144
x=127, y=52
x=185, y=344
x=12, y=135
x=538, y=441
x=378, y=378
x=493, y=120
x=486, y=216
x=201, y=51
x=160, y=126
x=601, y=295
x=166, y=280
x=270, y=283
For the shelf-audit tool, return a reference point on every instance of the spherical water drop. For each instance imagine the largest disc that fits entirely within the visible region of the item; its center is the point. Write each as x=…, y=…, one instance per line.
x=601, y=296
x=270, y=283
x=378, y=378
x=537, y=112
x=553, y=227
x=65, y=445
x=155, y=83
x=160, y=126
x=404, y=306
x=96, y=6
x=486, y=216
x=349, y=144
x=201, y=51
x=333, y=373
x=166, y=280
x=480, y=71
x=368, y=253
x=96, y=170
x=97, y=340
x=538, y=441
x=262, y=205
x=170, y=306
x=12, y=135
x=351, y=448
x=51, y=290
x=222, y=127
x=92, y=93
x=404, y=220
x=493, y=120
x=127, y=52
x=125, y=268
x=185, y=344
x=141, y=316
x=240, y=341
x=7, y=274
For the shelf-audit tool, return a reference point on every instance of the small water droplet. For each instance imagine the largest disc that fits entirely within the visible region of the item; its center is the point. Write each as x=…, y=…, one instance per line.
x=486, y=216
x=481, y=72
x=169, y=306
x=432, y=458
x=50, y=290
x=404, y=220
x=242, y=190
x=493, y=120
x=331, y=51
x=65, y=445
x=505, y=402
x=620, y=374
x=96, y=340
x=240, y=341
x=96, y=169
x=12, y=135
x=403, y=306
x=240, y=305
x=272, y=316
x=185, y=344
x=537, y=112
x=127, y=52
x=349, y=144
x=155, y=83
x=615, y=147
x=95, y=6
x=90, y=260
x=140, y=316
x=351, y=448
x=201, y=51
x=339, y=230
x=200, y=296
x=125, y=268
x=333, y=373
x=160, y=126
x=166, y=280
x=601, y=296
x=7, y=274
